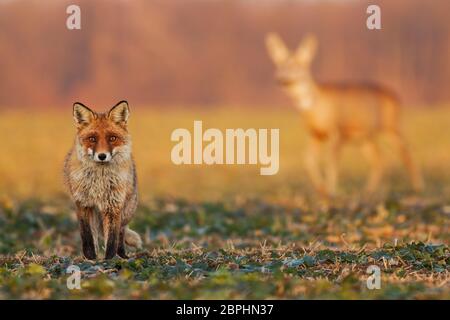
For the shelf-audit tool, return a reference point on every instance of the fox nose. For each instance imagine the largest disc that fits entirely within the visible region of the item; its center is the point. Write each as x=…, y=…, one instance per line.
x=102, y=156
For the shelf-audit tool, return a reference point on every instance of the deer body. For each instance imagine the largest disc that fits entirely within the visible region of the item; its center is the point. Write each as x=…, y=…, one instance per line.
x=351, y=111
x=336, y=114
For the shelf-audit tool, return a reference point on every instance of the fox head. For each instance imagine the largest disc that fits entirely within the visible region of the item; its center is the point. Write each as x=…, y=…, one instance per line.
x=102, y=138
x=295, y=67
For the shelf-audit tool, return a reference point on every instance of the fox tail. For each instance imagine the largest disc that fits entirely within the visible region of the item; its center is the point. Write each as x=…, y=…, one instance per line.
x=132, y=239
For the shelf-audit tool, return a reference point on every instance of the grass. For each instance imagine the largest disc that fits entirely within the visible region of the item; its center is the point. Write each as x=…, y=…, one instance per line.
x=225, y=231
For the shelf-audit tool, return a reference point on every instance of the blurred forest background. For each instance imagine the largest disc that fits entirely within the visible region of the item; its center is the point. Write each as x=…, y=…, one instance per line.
x=202, y=53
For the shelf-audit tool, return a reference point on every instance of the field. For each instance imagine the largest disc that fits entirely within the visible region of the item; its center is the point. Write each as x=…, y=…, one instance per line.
x=225, y=231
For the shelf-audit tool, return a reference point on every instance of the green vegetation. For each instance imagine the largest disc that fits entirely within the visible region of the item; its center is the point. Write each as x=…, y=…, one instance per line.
x=228, y=250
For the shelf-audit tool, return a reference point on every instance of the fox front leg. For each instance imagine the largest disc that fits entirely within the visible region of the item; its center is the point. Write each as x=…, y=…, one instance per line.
x=121, y=249
x=87, y=240
x=111, y=228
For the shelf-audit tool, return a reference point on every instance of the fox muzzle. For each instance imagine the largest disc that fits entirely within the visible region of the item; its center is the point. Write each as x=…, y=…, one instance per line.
x=102, y=157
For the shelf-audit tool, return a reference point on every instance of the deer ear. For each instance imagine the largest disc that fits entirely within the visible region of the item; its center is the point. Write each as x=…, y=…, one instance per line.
x=276, y=48
x=82, y=114
x=307, y=49
x=119, y=113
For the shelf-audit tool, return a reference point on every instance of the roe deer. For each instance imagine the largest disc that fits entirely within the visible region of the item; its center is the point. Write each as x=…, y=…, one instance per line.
x=339, y=113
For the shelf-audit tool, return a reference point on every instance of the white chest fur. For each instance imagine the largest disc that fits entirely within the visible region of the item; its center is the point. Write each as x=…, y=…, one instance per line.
x=101, y=186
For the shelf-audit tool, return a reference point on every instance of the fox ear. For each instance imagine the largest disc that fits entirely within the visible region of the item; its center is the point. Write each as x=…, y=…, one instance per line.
x=82, y=114
x=276, y=48
x=120, y=112
x=307, y=49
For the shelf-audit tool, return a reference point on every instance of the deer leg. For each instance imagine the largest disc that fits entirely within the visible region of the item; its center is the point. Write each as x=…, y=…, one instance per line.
x=312, y=165
x=372, y=153
x=413, y=171
x=332, y=165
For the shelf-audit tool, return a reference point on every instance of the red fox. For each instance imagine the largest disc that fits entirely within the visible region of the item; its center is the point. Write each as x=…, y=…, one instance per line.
x=100, y=174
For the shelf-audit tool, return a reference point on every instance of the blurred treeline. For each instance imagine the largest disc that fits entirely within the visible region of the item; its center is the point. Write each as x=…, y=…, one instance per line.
x=211, y=52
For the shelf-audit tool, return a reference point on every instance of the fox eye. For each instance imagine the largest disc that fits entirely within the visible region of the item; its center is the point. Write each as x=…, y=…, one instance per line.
x=112, y=138
x=92, y=139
